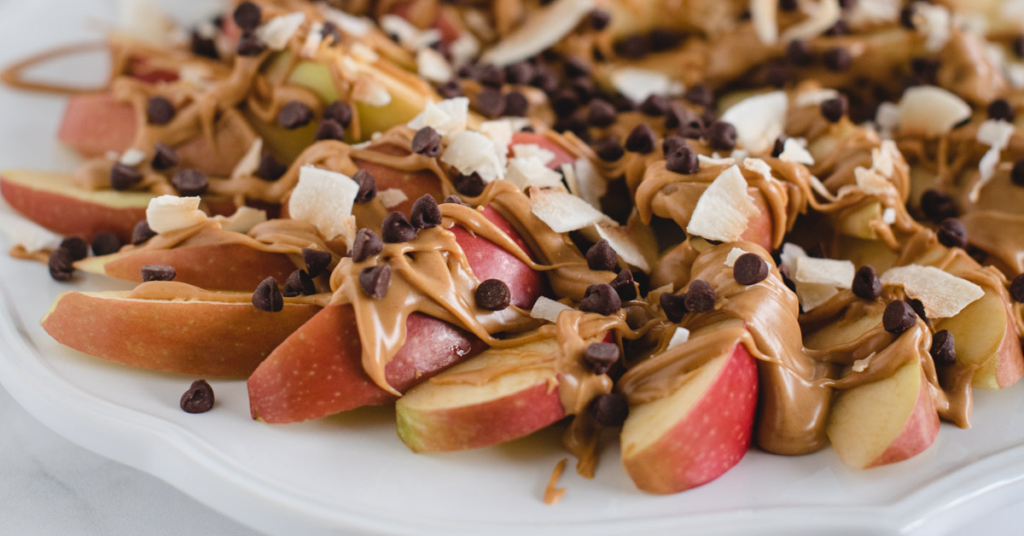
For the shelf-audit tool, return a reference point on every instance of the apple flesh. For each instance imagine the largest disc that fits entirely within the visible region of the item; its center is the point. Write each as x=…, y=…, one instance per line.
x=984, y=337
x=697, y=433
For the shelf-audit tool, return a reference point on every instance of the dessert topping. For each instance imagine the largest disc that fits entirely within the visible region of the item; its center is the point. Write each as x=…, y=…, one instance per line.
x=899, y=316
x=298, y=283
x=866, y=284
x=396, y=229
x=601, y=356
x=700, y=297
x=170, y=213
x=602, y=257
x=199, y=397
x=723, y=210
x=190, y=182
x=943, y=349
x=123, y=177
x=76, y=246
x=542, y=30
x=159, y=110
x=601, y=299
x=142, y=233
x=749, y=269
x=758, y=120
x=426, y=213
x=279, y=30
x=562, y=211
x=267, y=296
x=163, y=157
x=547, y=309
x=942, y=294
x=323, y=198
x=492, y=295
x=930, y=111
x=367, y=186
x=317, y=261
x=158, y=272
x=61, y=265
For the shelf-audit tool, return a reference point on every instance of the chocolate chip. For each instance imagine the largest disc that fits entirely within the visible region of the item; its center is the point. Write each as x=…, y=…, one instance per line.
x=623, y=103
x=339, y=111
x=601, y=113
x=722, y=136
x=450, y=89
x=190, y=182
x=777, y=74
x=158, y=272
x=316, y=261
x=602, y=257
x=786, y=280
x=565, y=103
x=545, y=80
x=610, y=410
x=250, y=45
x=270, y=169
x=425, y=212
x=471, y=185
x=780, y=145
x=199, y=397
x=294, y=115
x=331, y=33
x=672, y=143
x=426, y=142
x=1001, y=109
x=268, y=297
x=601, y=356
x=397, y=229
x=575, y=124
x=516, y=104
x=654, y=106
x=61, y=265
x=599, y=19
x=937, y=206
x=839, y=28
x=866, y=284
x=952, y=233
x=491, y=75
x=674, y=306
x=76, y=246
x=918, y=308
x=834, y=109
x=610, y=150
x=847, y=4
x=367, y=186
x=375, y=280
x=907, y=16
x=683, y=160
x=837, y=59
x=943, y=349
x=601, y=299
x=700, y=94
x=142, y=233
x=330, y=129
x=633, y=47
x=105, y=244
x=520, y=73
x=789, y=5
x=1017, y=288
x=492, y=295
x=1018, y=46
x=123, y=177
x=159, y=111
x=625, y=286
x=700, y=297
x=641, y=139
x=798, y=52
x=247, y=16
x=750, y=269
x=926, y=68
x=576, y=67
x=899, y=316
x=204, y=46
x=298, y=283
x=490, y=103
x=163, y=157
x=454, y=200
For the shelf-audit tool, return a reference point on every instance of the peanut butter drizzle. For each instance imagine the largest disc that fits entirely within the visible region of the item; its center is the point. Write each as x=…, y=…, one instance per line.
x=176, y=291
x=19, y=252
x=553, y=494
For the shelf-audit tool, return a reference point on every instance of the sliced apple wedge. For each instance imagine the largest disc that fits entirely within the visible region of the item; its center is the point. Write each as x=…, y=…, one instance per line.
x=985, y=337
x=95, y=124
x=697, y=433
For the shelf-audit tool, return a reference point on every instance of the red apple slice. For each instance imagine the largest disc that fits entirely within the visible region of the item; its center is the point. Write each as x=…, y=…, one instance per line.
x=414, y=184
x=985, y=337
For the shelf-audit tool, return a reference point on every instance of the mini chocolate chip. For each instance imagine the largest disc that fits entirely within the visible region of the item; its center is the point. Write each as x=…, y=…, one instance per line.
x=625, y=286
x=248, y=16
x=750, y=269
x=490, y=103
x=576, y=67
x=294, y=115
x=250, y=45
x=298, y=283
x=1001, y=109
x=190, y=182
x=610, y=150
x=375, y=280
x=839, y=28
x=491, y=75
x=700, y=94
x=455, y=200
x=426, y=142
x=330, y=129
x=798, y=52
x=722, y=136
x=330, y=30
x=943, y=349
x=316, y=261
x=601, y=299
x=367, y=186
x=492, y=295
x=142, y=233
x=847, y=4
x=471, y=185
x=450, y=89
x=641, y=139
x=610, y=410
x=662, y=39
x=520, y=73
x=633, y=47
x=123, y=177
x=545, y=80
x=623, y=103
x=700, y=297
x=837, y=59
x=565, y=102
x=204, y=46
x=654, y=106
x=396, y=229
x=777, y=74
x=673, y=143
x=599, y=19
x=163, y=157
x=199, y=397
x=1017, y=173
x=866, y=284
x=925, y=67
x=952, y=233
x=834, y=109
x=1017, y=288
x=366, y=245
x=575, y=124
x=602, y=257
x=780, y=145
x=159, y=111
x=105, y=244
x=267, y=296
x=674, y=306
x=789, y=5
x=339, y=111
x=683, y=160
x=907, y=16
x=918, y=308
x=270, y=169
x=601, y=113
x=425, y=212
x=601, y=356
x=937, y=206
x=899, y=316
x=61, y=265
x=1018, y=46
x=516, y=104
x=158, y=272
x=76, y=246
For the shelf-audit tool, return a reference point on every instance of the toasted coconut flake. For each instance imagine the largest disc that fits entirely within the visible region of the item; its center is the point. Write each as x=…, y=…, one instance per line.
x=500, y=131
x=814, y=97
x=883, y=158
x=392, y=197
x=943, y=295
x=363, y=53
x=872, y=12
x=249, y=163
x=541, y=30
x=323, y=198
x=132, y=157
x=934, y=21
x=368, y=91
x=277, y=31
x=812, y=295
x=638, y=84
x=759, y=120
x=764, y=14
x=679, y=336
x=734, y=254
x=431, y=65
x=447, y=117
x=592, y=187
x=409, y=36
x=170, y=213
x=146, y=21
x=464, y=49
x=471, y=152
x=532, y=150
x=995, y=134
x=354, y=26
x=532, y=171
x=715, y=160
x=562, y=211
x=243, y=220
x=889, y=216
x=478, y=24
x=794, y=151
x=887, y=118
x=624, y=245
x=870, y=182
x=930, y=111
x=824, y=271
x=723, y=210
x=313, y=40
x=548, y=309
x=27, y=234
x=758, y=166
x=821, y=16
x=789, y=255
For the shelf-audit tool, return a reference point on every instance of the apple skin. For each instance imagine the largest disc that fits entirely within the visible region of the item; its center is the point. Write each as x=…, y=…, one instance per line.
x=53, y=201
x=197, y=338
x=761, y=228
x=415, y=184
x=985, y=337
x=711, y=423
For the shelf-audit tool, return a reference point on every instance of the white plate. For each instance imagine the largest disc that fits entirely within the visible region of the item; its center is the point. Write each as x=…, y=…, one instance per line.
x=351, y=473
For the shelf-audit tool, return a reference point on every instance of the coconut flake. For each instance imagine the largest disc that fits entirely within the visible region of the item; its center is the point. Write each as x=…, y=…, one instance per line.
x=995, y=134
x=464, y=49
x=532, y=171
x=758, y=166
x=323, y=198
x=679, y=336
x=883, y=158
x=532, y=150
x=889, y=216
x=548, y=309
x=249, y=163
x=313, y=40
x=930, y=111
x=500, y=131
x=794, y=151
x=812, y=295
x=243, y=220
x=276, y=32
x=933, y=21
x=447, y=117
x=624, y=245
x=170, y=213
x=541, y=30
x=838, y=273
x=471, y=152
x=355, y=26
x=870, y=182
x=392, y=197
x=789, y=256
x=723, y=210
x=368, y=91
x=814, y=97
x=887, y=118
x=25, y=233
x=734, y=254
x=943, y=295
x=592, y=187
x=132, y=157
x=431, y=65
x=764, y=15
x=363, y=53
x=871, y=12
x=715, y=160
x=146, y=21
x=821, y=17
x=759, y=120
x=637, y=84
x=562, y=211
x=409, y=36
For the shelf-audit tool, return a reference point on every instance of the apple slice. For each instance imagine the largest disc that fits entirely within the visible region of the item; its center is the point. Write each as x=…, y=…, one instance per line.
x=697, y=433
x=415, y=184
x=884, y=422
x=985, y=337
x=55, y=202
x=95, y=124
x=206, y=338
